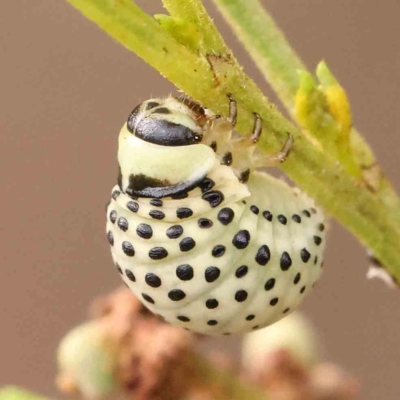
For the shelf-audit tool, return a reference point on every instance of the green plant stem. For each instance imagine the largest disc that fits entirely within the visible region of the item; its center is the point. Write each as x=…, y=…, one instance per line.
x=267, y=46
x=280, y=66
x=209, y=73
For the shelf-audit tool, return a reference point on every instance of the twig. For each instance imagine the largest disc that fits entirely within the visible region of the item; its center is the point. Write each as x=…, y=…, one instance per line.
x=187, y=49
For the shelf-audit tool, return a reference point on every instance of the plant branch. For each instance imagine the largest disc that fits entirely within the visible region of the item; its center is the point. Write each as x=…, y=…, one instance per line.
x=207, y=70
x=267, y=46
x=280, y=65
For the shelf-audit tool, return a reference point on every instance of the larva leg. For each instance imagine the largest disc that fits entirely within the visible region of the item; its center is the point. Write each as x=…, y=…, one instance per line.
x=275, y=159
x=232, y=111
x=246, y=157
x=244, y=143
x=220, y=131
x=261, y=160
x=257, y=129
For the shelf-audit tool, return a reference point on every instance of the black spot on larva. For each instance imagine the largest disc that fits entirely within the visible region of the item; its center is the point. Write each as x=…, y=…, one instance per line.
x=313, y=210
x=213, y=145
x=152, y=280
x=255, y=327
x=157, y=214
x=307, y=213
x=241, y=271
x=183, y=318
x=250, y=317
x=158, y=253
x=176, y=294
x=244, y=176
x=184, y=272
x=254, y=209
x=206, y=184
x=156, y=202
x=269, y=284
x=296, y=218
x=321, y=227
x=241, y=295
x=286, y=261
x=184, y=212
x=242, y=239
x=141, y=184
x=267, y=215
x=119, y=269
x=227, y=158
x=148, y=298
x=187, y=244
x=274, y=301
x=113, y=216
x=315, y=260
x=128, y=249
x=110, y=238
x=226, y=334
x=305, y=255
x=317, y=240
x=130, y=275
x=162, y=110
x=174, y=231
x=214, y=197
x=123, y=224
x=205, y=223
x=297, y=278
x=212, y=322
x=282, y=219
x=132, y=206
x=286, y=310
x=212, y=303
x=263, y=255
x=151, y=104
x=115, y=194
x=144, y=231
x=218, y=250
x=178, y=196
x=212, y=273
x=225, y=215
x=302, y=289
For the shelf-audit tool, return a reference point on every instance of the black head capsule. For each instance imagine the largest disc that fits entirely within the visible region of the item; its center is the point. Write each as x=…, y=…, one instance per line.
x=165, y=124
x=159, y=135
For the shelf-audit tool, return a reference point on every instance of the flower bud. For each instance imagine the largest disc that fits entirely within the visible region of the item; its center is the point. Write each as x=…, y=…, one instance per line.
x=86, y=359
x=294, y=334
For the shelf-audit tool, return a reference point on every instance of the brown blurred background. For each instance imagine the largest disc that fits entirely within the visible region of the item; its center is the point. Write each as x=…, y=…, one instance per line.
x=66, y=88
